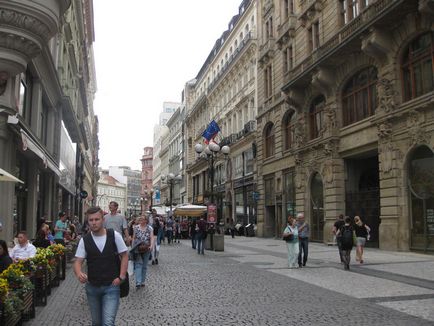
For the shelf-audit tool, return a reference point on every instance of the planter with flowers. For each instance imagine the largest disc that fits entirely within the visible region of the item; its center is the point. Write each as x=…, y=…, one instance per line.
x=59, y=254
x=43, y=270
x=18, y=300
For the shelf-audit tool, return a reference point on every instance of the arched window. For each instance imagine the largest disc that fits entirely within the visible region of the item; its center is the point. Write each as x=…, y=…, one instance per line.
x=316, y=116
x=359, y=97
x=417, y=67
x=269, y=140
x=289, y=130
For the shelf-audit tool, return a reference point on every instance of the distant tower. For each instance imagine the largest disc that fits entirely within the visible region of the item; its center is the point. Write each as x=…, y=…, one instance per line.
x=147, y=191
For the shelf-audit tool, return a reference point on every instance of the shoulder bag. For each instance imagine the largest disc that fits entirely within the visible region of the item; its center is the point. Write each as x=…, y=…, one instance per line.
x=124, y=287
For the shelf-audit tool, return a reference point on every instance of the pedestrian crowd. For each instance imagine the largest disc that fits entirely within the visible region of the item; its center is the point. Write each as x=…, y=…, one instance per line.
x=348, y=233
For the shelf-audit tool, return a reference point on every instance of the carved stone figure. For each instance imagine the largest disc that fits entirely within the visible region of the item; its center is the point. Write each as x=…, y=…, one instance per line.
x=386, y=94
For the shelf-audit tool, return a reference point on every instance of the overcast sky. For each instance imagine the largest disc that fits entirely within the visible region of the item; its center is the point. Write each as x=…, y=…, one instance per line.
x=145, y=51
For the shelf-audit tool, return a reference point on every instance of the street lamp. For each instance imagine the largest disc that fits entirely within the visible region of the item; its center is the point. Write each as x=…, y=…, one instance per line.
x=171, y=180
x=210, y=152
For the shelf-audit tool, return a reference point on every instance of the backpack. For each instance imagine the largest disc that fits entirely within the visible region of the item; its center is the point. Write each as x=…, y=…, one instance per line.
x=347, y=237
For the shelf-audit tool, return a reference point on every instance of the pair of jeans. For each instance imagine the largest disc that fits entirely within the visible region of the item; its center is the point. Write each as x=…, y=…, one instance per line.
x=200, y=243
x=169, y=234
x=303, y=247
x=193, y=241
x=141, y=267
x=339, y=242
x=103, y=303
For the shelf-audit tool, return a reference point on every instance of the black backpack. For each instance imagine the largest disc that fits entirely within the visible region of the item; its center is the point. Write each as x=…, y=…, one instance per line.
x=347, y=237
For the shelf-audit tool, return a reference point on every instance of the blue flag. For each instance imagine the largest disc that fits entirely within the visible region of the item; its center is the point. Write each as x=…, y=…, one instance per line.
x=211, y=131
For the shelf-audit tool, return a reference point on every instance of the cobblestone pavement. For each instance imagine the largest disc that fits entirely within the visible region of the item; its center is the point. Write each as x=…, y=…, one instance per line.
x=249, y=284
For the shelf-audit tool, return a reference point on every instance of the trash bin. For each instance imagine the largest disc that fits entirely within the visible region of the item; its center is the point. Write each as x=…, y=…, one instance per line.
x=250, y=232
x=219, y=242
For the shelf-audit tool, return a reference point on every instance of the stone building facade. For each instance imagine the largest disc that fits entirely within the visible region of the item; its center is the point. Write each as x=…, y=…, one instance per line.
x=225, y=91
x=346, y=117
x=47, y=77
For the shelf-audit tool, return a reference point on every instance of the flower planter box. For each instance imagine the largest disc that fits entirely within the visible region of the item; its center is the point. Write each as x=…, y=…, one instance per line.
x=42, y=287
x=61, y=267
x=28, y=308
x=9, y=320
x=54, y=279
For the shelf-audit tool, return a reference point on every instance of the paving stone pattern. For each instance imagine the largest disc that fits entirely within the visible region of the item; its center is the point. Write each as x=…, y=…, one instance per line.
x=217, y=289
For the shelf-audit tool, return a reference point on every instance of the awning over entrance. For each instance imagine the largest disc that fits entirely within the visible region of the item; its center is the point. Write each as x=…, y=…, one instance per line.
x=29, y=143
x=190, y=210
x=6, y=176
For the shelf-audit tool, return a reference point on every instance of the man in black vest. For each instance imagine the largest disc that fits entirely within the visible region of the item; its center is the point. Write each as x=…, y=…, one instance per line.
x=107, y=263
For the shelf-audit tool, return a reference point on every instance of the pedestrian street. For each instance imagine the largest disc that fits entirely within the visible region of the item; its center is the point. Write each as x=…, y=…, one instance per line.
x=249, y=284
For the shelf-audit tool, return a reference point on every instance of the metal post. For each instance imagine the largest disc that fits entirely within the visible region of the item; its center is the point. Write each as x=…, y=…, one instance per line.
x=170, y=195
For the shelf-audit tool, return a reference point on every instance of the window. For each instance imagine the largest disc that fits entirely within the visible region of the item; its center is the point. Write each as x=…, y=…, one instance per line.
x=288, y=8
x=351, y=9
x=268, y=81
x=44, y=123
x=269, y=28
x=316, y=116
x=289, y=129
x=25, y=96
x=289, y=192
x=269, y=140
x=288, y=60
x=248, y=161
x=417, y=67
x=313, y=38
x=359, y=97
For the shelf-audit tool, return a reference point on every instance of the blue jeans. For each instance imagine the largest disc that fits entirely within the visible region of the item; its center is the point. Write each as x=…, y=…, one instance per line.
x=141, y=267
x=103, y=303
x=193, y=241
x=303, y=247
x=200, y=243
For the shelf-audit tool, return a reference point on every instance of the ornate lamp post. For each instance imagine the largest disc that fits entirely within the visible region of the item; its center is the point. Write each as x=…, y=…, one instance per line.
x=171, y=180
x=211, y=151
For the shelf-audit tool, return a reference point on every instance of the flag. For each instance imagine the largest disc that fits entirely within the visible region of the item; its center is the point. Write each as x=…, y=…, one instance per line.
x=211, y=131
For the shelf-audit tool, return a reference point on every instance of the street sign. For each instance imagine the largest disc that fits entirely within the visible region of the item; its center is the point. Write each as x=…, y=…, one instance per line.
x=212, y=213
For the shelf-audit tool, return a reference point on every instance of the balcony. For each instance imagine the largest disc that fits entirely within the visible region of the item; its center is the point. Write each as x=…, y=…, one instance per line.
x=25, y=28
x=286, y=31
x=266, y=51
x=372, y=14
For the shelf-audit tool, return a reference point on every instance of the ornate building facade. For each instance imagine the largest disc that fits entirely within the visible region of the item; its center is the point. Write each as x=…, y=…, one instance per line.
x=225, y=91
x=47, y=77
x=346, y=117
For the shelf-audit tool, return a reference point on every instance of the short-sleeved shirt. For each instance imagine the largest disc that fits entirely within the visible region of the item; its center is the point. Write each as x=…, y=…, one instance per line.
x=305, y=232
x=116, y=222
x=100, y=243
x=23, y=252
x=60, y=225
x=361, y=231
x=143, y=235
x=338, y=225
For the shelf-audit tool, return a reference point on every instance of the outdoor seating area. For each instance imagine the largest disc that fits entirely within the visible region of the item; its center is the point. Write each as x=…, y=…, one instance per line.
x=27, y=283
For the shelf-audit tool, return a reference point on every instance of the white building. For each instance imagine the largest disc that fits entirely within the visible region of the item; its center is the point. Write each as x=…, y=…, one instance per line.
x=133, y=181
x=110, y=189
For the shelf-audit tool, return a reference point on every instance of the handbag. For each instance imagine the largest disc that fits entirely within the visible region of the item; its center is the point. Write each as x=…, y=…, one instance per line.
x=124, y=287
x=142, y=248
x=288, y=238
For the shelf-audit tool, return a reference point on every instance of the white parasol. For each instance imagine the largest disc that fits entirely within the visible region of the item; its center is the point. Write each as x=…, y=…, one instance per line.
x=5, y=176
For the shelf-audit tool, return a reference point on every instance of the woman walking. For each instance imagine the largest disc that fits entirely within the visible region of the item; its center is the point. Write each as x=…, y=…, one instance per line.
x=290, y=234
x=143, y=243
x=362, y=234
x=158, y=235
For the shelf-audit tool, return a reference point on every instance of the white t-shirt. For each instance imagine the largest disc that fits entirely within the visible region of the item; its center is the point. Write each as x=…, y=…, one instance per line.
x=100, y=243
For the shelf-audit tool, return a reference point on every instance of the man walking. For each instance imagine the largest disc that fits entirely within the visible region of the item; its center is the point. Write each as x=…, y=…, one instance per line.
x=303, y=239
x=337, y=226
x=116, y=221
x=101, y=248
x=60, y=228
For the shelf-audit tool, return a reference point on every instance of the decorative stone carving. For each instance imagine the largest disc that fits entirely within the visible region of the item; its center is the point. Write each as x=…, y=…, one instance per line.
x=426, y=7
x=323, y=80
x=386, y=151
x=330, y=149
x=384, y=130
x=377, y=44
x=416, y=131
x=297, y=159
x=330, y=118
x=327, y=171
x=299, y=131
x=386, y=95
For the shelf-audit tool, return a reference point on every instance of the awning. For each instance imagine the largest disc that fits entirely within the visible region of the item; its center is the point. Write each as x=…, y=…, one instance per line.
x=190, y=210
x=29, y=143
x=6, y=176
